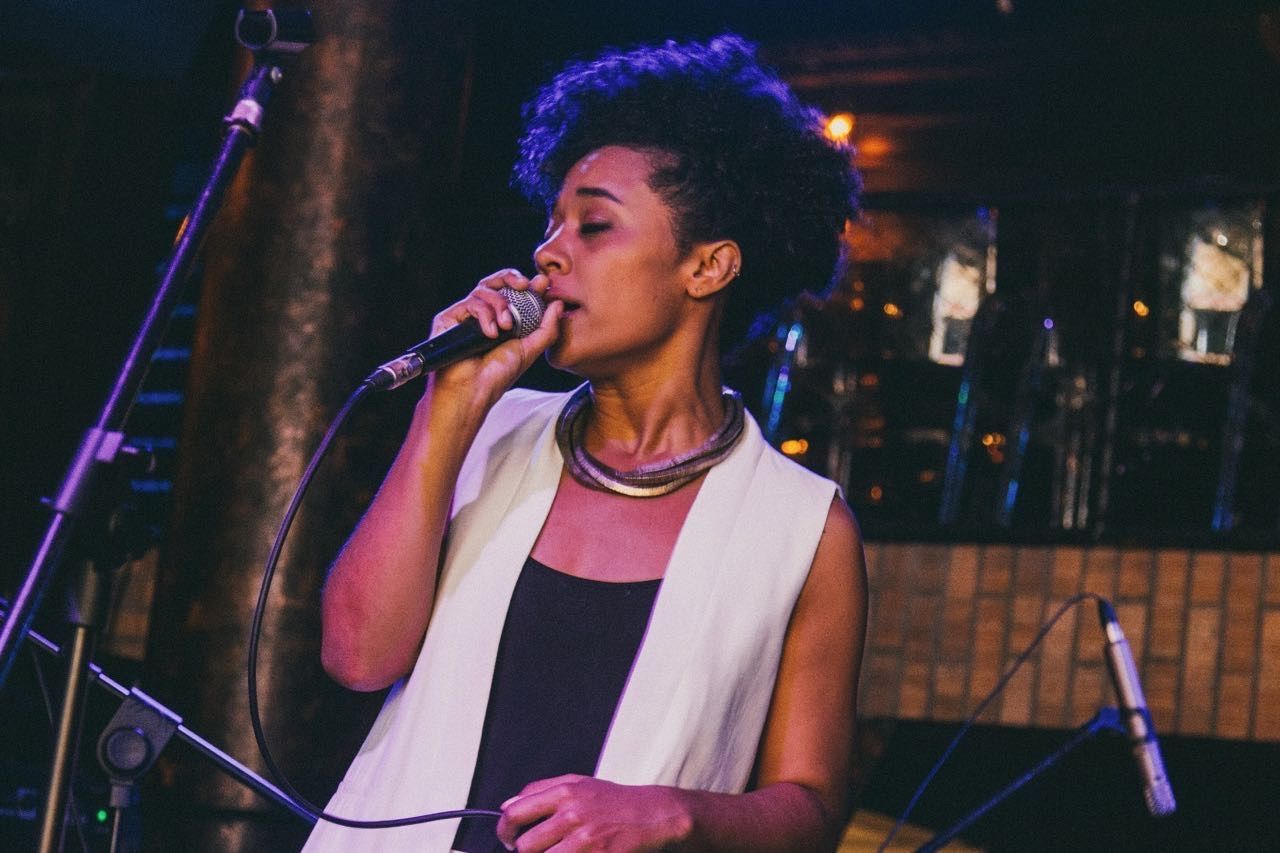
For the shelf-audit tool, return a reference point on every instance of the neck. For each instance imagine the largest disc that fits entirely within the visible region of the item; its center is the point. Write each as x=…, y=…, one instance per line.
x=663, y=405
x=638, y=420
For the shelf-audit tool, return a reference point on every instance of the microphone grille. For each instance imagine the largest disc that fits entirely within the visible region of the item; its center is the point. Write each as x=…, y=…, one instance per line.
x=1159, y=797
x=527, y=308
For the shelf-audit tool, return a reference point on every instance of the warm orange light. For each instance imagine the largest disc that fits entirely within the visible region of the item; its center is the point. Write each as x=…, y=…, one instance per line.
x=928, y=475
x=840, y=126
x=993, y=439
x=892, y=310
x=1140, y=308
x=874, y=147
x=876, y=493
x=856, y=303
x=794, y=446
x=869, y=380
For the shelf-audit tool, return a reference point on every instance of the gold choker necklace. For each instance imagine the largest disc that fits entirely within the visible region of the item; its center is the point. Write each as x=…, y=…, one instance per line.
x=647, y=481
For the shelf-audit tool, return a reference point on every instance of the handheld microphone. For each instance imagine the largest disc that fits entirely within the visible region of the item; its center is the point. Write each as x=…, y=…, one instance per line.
x=461, y=341
x=1137, y=719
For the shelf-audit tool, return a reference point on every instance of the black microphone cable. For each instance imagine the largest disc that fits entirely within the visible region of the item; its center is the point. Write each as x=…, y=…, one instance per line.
x=982, y=706
x=255, y=632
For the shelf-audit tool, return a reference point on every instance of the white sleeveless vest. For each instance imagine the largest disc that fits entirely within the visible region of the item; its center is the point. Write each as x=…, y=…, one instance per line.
x=694, y=707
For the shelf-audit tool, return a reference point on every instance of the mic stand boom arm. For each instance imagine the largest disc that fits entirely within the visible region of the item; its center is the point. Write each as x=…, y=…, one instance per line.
x=1107, y=718
x=86, y=484
x=225, y=762
x=95, y=452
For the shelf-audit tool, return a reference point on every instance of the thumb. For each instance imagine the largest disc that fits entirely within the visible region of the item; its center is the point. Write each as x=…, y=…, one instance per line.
x=536, y=342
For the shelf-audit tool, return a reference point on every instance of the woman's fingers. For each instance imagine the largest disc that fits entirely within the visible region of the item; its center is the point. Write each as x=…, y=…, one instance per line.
x=492, y=373
x=543, y=836
x=536, y=802
x=505, y=278
x=498, y=311
x=539, y=284
x=537, y=341
x=485, y=303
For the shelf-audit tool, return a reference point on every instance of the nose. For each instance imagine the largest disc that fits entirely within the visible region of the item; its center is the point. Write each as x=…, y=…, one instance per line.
x=550, y=255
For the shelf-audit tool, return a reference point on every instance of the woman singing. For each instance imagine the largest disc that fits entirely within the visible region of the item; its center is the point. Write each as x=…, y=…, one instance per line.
x=617, y=615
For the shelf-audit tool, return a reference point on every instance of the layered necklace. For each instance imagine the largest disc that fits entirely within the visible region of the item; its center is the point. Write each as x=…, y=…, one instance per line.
x=647, y=481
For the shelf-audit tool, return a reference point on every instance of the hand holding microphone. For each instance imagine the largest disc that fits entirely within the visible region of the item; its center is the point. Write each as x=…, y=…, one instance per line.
x=505, y=306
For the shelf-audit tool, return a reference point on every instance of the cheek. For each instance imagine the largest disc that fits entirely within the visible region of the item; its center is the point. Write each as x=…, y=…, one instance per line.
x=644, y=306
x=653, y=277
x=632, y=293
x=630, y=318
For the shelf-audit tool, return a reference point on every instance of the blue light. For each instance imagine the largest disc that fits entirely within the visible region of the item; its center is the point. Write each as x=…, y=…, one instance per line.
x=1011, y=497
x=779, y=397
x=793, y=336
x=160, y=398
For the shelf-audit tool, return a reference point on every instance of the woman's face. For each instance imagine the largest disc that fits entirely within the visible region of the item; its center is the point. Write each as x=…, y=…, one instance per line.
x=610, y=253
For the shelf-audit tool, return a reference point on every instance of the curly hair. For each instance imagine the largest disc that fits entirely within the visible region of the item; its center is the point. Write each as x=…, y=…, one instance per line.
x=741, y=157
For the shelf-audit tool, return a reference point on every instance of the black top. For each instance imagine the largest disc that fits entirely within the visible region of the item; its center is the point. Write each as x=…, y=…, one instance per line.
x=567, y=647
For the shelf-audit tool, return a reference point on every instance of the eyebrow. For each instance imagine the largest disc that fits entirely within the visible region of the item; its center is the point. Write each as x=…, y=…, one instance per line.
x=597, y=192
x=587, y=192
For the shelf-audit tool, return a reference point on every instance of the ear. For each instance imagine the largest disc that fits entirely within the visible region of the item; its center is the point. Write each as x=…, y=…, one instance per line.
x=714, y=266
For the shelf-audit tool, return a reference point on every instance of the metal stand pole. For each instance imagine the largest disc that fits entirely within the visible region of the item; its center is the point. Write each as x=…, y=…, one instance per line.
x=95, y=583
x=85, y=487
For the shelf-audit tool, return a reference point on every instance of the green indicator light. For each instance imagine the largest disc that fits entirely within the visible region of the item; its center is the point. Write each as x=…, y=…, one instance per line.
x=102, y=815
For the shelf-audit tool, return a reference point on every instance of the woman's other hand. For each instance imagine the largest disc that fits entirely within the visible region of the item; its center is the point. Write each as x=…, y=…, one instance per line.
x=579, y=813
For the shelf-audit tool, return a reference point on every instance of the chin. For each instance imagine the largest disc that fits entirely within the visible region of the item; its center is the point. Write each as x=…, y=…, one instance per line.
x=580, y=362
x=560, y=357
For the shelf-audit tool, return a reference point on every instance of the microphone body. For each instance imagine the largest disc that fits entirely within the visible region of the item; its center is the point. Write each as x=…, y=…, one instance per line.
x=1137, y=719
x=458, y=342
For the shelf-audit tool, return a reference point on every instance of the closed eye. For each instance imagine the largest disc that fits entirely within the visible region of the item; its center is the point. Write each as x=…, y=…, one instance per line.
x=589, y=228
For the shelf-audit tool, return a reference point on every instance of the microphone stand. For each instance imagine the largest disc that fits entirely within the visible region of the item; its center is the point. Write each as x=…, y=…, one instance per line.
x=1106, y=719
x=84, y=496
x=133, y=739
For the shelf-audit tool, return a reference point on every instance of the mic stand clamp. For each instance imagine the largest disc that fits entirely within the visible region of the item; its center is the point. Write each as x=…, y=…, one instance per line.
x=1106, y=719
x=157, y=724
x=127, y=748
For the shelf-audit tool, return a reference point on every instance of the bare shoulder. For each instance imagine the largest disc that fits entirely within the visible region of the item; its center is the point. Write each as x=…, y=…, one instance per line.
x=837, y=579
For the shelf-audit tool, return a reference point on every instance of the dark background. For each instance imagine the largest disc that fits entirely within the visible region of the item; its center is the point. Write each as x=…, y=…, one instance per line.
x=1059, y=114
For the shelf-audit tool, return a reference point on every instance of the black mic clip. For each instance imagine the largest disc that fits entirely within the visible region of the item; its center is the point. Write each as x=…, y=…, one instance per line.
x=281, y=32
x=275, y=36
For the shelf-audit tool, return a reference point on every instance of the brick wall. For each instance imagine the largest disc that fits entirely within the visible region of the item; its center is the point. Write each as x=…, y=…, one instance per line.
x=947, y=620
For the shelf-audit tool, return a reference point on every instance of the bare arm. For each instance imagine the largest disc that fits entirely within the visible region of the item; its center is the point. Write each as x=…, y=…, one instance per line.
x=801, y=801
x=378, y=598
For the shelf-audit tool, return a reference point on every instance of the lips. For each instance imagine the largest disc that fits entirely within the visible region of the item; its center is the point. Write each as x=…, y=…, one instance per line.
x=570, y=305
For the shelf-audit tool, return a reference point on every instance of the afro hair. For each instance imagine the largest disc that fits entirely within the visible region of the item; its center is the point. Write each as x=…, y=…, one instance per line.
x=740, y=157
